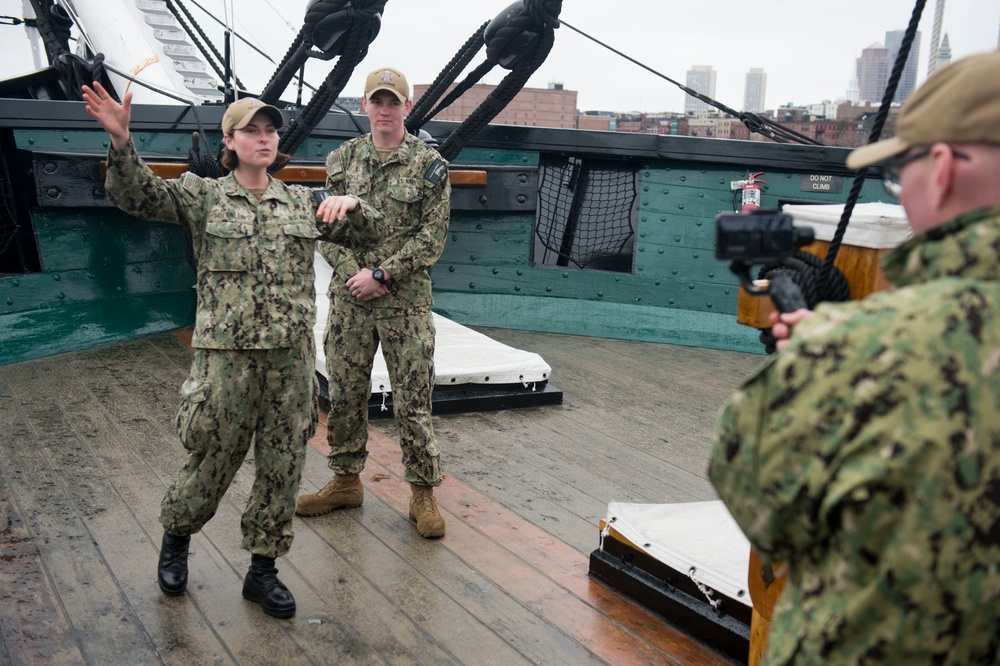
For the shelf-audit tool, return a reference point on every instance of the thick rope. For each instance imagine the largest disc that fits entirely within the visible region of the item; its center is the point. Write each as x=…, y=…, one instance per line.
x=474, y=77
x=496, y=100
x=804, y=268
x=876, y=132
x=354, y=51
x=208, y=49
x=537, y=16
x=419, y=113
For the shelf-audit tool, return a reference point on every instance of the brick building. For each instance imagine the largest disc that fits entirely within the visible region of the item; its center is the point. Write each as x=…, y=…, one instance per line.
x=538, y=107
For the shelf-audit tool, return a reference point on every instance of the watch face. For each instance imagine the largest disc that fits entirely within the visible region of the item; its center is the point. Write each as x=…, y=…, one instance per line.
x=378, y=275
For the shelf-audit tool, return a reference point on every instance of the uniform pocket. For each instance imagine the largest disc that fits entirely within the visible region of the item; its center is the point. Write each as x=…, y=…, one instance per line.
x=227, y=246
x=405, y=190
x=300, y=241
x=190, y=422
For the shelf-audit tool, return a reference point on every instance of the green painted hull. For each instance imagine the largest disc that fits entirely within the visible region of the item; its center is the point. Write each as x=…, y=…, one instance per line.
x=106, y=277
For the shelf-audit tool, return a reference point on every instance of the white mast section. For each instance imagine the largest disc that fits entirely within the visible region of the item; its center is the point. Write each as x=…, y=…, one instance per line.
x=142, y=37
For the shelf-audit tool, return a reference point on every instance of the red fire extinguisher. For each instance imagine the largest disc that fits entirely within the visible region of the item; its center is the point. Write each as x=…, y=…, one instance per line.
x=751, y=192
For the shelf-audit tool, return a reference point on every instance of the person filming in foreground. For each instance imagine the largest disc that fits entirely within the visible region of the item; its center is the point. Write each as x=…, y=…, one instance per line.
x=866, y=453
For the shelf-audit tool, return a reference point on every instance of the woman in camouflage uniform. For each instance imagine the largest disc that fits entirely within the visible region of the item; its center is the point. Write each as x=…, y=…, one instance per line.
x=253, y=376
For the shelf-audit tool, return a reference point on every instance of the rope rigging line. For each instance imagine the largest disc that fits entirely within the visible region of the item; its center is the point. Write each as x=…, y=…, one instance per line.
x=755, y=123
x=256, y=49
x=876, y=132
x=14, y=20
x=419, y=114
x=358, y=23
x=518, y=40
x=819, y=279
x=54, y=23
x=208, y=49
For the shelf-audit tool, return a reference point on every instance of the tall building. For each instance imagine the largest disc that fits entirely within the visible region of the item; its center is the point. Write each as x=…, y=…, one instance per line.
x=700, y=78
x=908, y=80
x=944, y=52
x=873, y=72
x=853, y=90
x=754, y=90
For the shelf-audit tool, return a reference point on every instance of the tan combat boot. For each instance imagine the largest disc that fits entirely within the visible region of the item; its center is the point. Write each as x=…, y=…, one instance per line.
x=424, y=510
x=343, y=492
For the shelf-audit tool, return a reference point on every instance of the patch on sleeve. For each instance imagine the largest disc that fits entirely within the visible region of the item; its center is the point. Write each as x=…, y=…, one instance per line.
x=333, y=164
x=192, y=182
x=436, y=171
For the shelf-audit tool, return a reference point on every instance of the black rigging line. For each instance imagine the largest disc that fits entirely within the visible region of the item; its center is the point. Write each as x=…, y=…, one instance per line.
x=245, y=41
x=13, y=20
x=876, y=132
x=768, y=128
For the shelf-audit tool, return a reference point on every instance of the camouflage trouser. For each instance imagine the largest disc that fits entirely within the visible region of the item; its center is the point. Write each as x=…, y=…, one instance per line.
x=231, y=396
x=407, y=337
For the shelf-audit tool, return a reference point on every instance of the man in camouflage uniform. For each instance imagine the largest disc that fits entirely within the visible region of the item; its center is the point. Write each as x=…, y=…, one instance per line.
x=253, y=376
x=381, y=292
x=866, y=454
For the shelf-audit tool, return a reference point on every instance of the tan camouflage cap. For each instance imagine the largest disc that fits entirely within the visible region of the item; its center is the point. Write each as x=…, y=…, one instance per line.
x=241, y=112
x=957, y=104
x=387, y=78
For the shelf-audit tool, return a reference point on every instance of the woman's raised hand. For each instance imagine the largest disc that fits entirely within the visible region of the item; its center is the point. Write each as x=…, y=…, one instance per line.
x=112, y=116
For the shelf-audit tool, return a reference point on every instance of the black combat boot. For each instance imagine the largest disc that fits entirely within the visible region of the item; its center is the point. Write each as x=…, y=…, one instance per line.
x=172, y=570
x=263, y=587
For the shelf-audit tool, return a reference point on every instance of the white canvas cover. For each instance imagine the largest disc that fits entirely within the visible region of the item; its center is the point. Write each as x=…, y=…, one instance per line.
x=699, y=539
x=874, y=225
x=461, y=355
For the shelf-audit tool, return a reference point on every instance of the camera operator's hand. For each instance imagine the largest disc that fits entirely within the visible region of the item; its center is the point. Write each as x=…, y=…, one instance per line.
x=782, y=323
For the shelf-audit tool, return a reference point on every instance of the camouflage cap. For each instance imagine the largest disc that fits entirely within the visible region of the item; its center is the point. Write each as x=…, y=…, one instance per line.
x=957, y=104
x=241, y=112
x=386, y=78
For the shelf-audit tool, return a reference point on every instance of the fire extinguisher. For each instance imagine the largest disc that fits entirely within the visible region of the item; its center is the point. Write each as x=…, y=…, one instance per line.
x=751, y=192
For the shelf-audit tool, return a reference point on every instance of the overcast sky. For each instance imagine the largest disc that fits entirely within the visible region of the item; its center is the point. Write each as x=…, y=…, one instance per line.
x=808, y=49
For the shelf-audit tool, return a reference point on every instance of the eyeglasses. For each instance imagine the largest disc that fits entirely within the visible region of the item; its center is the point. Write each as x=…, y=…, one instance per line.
x=891, y=169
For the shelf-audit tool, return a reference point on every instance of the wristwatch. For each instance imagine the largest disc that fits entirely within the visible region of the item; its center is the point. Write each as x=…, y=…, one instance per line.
x=379, y=275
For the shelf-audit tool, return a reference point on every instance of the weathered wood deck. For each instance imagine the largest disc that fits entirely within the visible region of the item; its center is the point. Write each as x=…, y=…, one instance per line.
x=87, y=448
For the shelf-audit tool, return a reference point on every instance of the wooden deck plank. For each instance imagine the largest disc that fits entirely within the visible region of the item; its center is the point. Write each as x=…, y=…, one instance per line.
x=523, y=495
x=99, y=615
x=500, y=617
x=34, y=624
x=217, y=563
x=539, y=570
x=364, y=637
x=105, y=406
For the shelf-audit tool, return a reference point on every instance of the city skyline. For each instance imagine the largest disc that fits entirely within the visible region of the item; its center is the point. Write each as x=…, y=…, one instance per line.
x=808, y=53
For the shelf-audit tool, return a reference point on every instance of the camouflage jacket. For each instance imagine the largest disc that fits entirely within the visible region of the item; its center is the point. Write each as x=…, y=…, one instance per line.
x=407, y=199
x=256, y=286
x=867, y=456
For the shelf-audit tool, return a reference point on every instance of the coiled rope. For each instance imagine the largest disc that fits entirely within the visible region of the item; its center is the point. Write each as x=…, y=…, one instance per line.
x=54, y=23
x=804, y=268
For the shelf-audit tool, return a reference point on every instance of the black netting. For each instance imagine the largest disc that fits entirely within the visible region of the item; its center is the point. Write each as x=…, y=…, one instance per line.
x=585, y=214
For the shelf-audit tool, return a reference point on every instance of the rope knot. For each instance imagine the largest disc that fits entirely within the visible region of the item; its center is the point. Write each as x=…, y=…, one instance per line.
x=544, y=13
